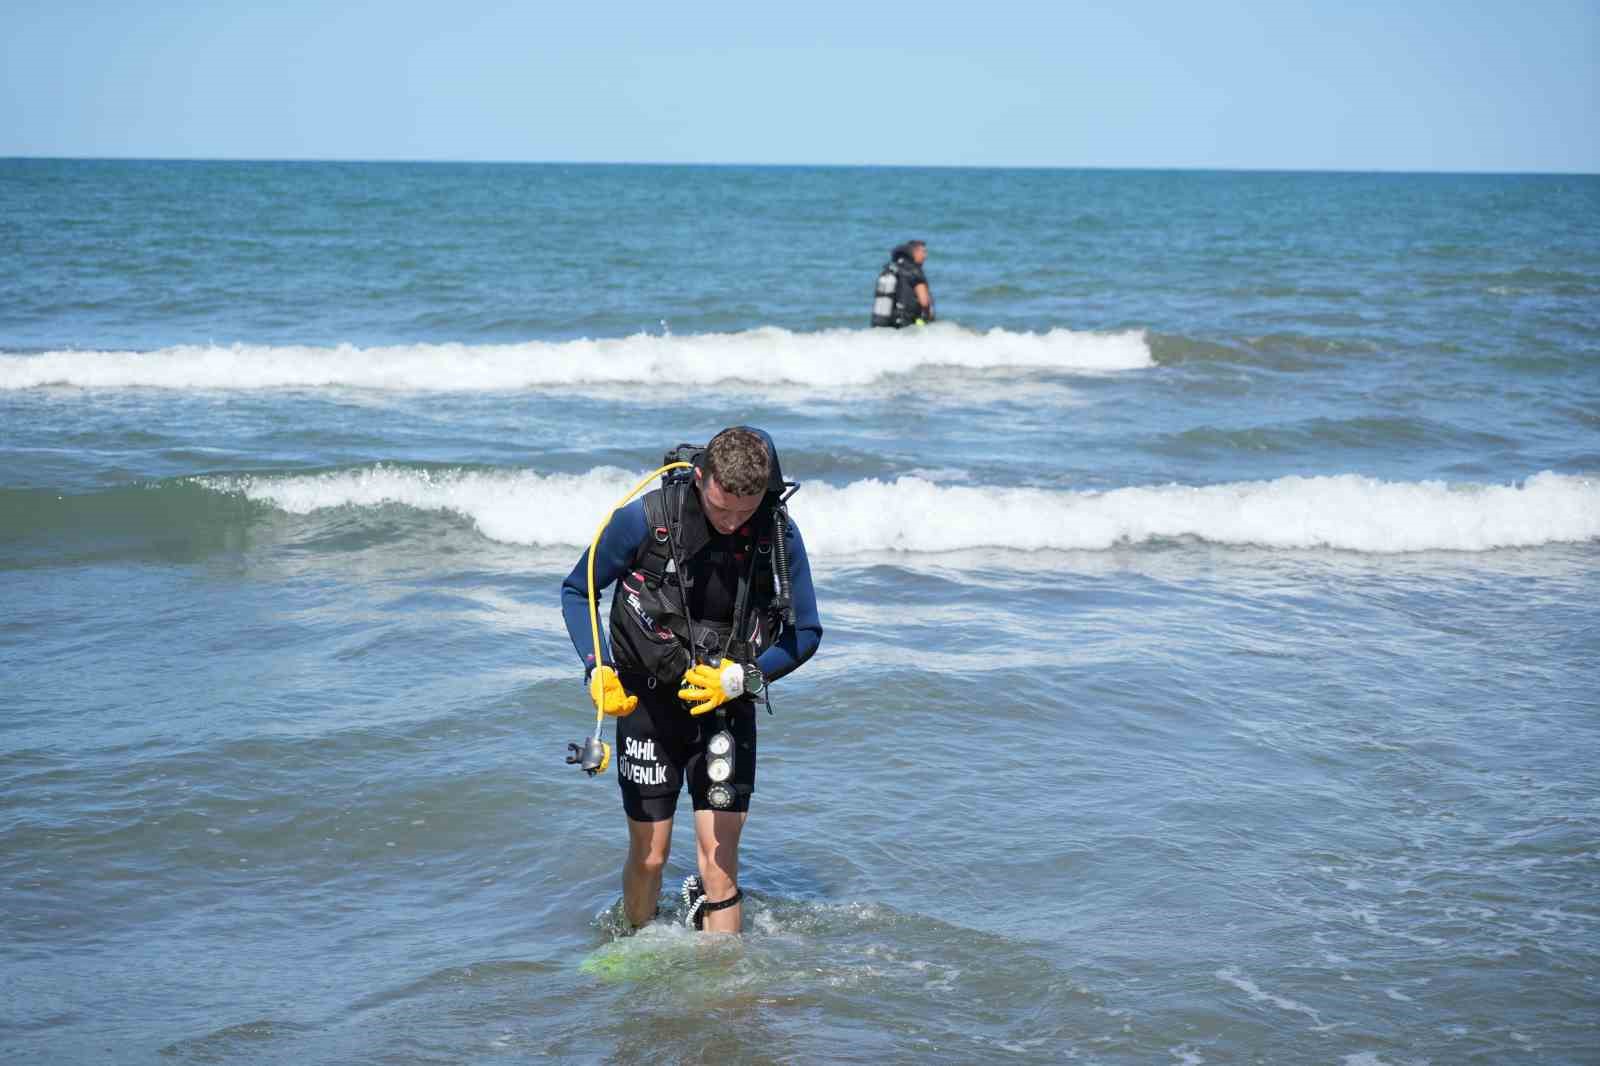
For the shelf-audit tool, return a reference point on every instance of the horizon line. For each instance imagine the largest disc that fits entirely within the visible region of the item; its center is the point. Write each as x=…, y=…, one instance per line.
x=1176, y=168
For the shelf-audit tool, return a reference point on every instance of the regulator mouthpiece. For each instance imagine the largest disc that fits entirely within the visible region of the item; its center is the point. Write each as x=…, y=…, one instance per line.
x=592, y=757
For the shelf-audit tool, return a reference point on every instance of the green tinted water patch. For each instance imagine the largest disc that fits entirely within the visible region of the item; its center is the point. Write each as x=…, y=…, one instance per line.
x=949, y=988
x=662, y=951
x=795, y=944
x=176, y=520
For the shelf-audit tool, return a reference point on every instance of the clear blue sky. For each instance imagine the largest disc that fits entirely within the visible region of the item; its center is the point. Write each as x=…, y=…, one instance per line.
x=1429, y=85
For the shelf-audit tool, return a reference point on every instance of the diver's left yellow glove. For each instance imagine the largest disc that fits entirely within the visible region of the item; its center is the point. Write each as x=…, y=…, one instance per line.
x=605, y=688
x=709, y=687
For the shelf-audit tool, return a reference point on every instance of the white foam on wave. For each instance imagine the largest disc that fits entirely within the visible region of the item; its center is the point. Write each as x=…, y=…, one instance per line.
x=826, y=359
x=516, y=507
x=911, y=514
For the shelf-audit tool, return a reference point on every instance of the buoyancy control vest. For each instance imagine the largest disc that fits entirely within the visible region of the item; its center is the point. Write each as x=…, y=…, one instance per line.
x=650, y=625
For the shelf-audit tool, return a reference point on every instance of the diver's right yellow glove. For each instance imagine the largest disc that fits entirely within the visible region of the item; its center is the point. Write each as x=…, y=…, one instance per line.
x=605, y=688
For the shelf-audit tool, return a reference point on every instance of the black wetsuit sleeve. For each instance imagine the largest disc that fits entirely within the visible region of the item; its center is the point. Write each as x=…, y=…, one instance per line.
x=799, y=641
x=618, y=546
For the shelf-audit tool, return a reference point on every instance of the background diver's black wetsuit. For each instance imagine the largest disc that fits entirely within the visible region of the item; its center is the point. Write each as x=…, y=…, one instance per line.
x=661, y=743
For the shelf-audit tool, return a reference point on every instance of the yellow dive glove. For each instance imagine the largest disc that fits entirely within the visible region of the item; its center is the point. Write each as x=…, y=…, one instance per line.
x=605, y=688
x=709, y=687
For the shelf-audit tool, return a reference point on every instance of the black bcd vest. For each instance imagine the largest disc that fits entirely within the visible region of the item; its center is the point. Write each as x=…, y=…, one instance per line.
x=650, y=636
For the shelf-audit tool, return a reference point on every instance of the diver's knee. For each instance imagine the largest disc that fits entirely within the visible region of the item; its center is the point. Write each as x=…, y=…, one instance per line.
x=649, y=862
x=718, y=883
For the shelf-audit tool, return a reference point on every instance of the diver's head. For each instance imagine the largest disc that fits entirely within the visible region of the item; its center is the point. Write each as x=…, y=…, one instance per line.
x=918, y=250
x=733, y=477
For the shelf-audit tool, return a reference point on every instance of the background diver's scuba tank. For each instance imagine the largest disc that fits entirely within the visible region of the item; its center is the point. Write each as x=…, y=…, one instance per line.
x=883, y=299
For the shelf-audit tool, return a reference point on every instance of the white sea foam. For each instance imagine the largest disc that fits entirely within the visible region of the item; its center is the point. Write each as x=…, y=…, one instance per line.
x=517, y=507
x=1260, y=995
x=911, y=514
x=827, y=359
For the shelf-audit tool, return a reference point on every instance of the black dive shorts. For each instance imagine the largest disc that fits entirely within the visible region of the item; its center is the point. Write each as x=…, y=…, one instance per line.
x=661, y=744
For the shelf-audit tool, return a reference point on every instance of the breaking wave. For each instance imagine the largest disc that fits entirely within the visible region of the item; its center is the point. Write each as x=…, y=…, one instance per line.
x=1345, y=512
x=826, y=359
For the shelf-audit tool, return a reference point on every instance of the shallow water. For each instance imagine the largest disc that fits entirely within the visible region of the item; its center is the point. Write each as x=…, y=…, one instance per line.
x=1210, y=659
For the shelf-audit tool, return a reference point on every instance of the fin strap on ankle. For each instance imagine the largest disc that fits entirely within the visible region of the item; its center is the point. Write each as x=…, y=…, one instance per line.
x=702, y=906
x=722, y=905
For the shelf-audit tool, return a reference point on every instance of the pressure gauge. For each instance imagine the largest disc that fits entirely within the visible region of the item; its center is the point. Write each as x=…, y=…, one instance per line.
x=719, y=761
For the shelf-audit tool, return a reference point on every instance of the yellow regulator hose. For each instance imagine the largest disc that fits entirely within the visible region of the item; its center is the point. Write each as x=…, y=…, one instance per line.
x=594, y=546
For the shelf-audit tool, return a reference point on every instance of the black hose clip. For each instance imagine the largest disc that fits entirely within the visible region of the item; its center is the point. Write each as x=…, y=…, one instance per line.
x=784, y=600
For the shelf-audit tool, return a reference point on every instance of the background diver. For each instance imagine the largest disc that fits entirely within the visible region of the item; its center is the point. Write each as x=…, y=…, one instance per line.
x=719, y=537
x=902, y=297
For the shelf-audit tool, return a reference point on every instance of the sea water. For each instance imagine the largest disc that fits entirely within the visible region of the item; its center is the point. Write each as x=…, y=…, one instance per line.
x=1210, y=669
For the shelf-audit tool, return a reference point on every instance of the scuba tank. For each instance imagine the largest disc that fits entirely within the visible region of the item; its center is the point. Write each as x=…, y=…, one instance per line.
x=883, y=301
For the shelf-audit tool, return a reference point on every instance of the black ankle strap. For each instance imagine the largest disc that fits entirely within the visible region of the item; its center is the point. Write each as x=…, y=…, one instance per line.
x=722, y=905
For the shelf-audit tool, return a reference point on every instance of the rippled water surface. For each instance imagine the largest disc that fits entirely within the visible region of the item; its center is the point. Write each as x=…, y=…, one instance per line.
x=1210, y=657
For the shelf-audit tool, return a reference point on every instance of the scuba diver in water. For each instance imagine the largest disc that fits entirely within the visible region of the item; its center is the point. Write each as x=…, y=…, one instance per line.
x=713, y=603
x=902, y=297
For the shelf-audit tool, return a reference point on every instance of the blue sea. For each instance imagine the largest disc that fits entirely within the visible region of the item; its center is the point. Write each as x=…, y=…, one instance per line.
x=1212, y=659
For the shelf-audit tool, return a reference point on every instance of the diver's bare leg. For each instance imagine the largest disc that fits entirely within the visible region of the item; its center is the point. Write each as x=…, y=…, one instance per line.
x=648, y=845
x=717, y=833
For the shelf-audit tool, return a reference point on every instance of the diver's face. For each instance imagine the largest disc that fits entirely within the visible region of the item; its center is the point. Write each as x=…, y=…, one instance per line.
x=725, y=511
x=919, y=255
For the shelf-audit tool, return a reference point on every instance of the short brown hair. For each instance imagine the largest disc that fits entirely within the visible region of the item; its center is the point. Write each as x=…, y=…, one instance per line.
x=738, y=459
